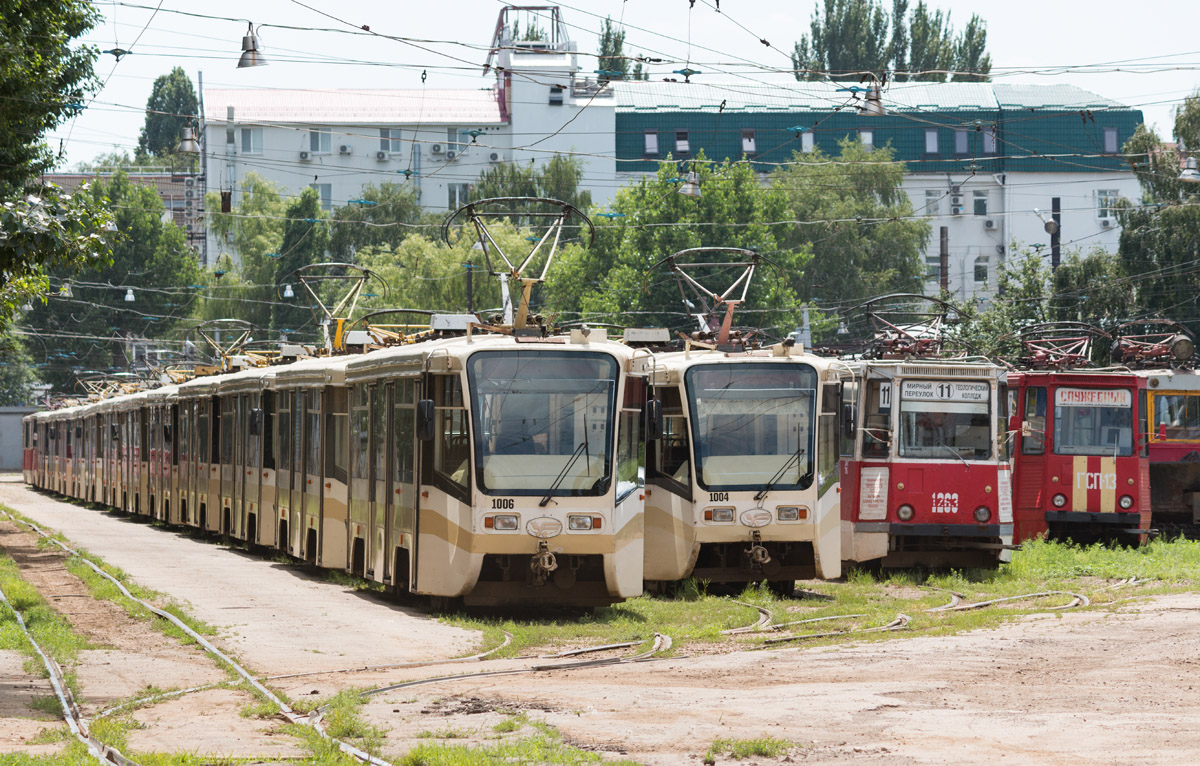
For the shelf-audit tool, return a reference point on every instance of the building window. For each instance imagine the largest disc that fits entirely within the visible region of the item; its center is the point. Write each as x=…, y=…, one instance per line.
x=962, y=142
x=325, y=192
x=681, y=142
x=933, y=201
x=933, y=268
x=989, y=141
x=749, y=144
x=868, y=139
x=457, y=195
x=556, y=95
x=251, y=140
x=651, y=143
x=1106, y=203
x=1110, y=141
x=981, y=200
x=981, y=269
x=806, y=142
x=389, y=140
x=931, y=141
x=454, y=141
x=320, y=141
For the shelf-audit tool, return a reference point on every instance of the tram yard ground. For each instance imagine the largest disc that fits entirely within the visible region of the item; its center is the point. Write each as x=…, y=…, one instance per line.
x=1113, y=682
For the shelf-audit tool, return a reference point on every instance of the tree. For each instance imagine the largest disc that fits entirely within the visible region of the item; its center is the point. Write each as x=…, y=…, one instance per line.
x=1160, y=238
x=858, y=224
x=612, y=56
x=558, y=179
x=17, y=376
x=851, y=37
x=45, y=80
x=1020, y=301
x=171, y=106
x=86, y=330
x=606, y=282
x=305, y=240
x=384, y=219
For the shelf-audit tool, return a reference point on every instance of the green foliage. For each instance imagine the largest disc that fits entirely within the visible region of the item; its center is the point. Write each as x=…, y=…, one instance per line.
x=851, y=37
x=765, y=747
x=607, y=281
x=357, y=226
x=148, y=253
x=852, y=260
x=170, y=107
x=305, y=240
x=612, y=55
x=558, y=179
x=1091, y=288
x=17, y=376
x=1021, y=301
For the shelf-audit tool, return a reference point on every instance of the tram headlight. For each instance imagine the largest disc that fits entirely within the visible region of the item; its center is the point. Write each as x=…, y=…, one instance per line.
x=791, y=513
x=1126, y=502
x=1059, y=500
x=982, y=514
x=905, y=512
x=581, y=523
x=719, y=515
x=505, y=522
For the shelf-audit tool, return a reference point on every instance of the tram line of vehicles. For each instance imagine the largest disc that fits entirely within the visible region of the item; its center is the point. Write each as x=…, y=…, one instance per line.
x=499, y=463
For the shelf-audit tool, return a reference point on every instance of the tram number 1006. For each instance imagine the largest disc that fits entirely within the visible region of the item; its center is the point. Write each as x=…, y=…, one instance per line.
x=503, y=504
x=945, y=502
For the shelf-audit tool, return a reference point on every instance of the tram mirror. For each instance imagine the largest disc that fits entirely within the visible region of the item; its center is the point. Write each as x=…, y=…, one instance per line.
x=425, y=420
x=653, y=420
x=114, y=432
x=849, y=419
x=256, y=421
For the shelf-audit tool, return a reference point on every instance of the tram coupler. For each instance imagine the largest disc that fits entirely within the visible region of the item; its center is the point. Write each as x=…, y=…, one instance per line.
x=758, y=555
x=542, y=563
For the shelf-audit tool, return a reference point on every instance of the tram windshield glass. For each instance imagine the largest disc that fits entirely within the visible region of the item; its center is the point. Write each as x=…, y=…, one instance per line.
x=945, y=420
x=752, y=424
x=543, y=421
x=1093, y=421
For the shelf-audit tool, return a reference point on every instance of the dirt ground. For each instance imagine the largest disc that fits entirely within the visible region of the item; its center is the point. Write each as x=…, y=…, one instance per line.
x=1067, y=688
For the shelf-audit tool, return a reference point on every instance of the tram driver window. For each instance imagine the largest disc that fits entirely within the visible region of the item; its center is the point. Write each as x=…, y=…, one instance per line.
x=672, y=451
x=451, y=448
x=1094, y=428
x=1035, y=416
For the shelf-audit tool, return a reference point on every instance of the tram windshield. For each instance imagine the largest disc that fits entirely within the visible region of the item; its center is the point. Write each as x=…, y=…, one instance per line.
x=945, y=420
x=543, y=421
x=752, y=425
x=1093, y=421
x=1177, y=416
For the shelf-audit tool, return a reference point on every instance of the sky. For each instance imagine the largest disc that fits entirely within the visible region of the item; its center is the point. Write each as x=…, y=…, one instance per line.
x=1145, y=55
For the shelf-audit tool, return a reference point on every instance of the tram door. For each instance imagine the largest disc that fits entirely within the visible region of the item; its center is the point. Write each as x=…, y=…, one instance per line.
x=253, y=422
x=295, y=524
x=360, y=476
x=283, y=469
x=402, y=499
x=313, y=443
x=240, y=434
x=379, y=481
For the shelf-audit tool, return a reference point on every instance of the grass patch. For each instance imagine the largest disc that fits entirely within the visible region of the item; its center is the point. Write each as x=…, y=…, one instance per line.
x=545, y=748
x=48, y=704
x=354, y=582
x=510, y=724
x=766, y=747
x=443, y=734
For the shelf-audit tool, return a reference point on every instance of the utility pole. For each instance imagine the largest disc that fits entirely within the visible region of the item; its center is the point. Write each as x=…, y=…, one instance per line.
x=1056, y=235
x=945, y=258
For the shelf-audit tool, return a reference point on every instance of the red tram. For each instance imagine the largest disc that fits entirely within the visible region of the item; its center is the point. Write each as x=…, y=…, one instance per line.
x=1080, y=468
x=925, y=477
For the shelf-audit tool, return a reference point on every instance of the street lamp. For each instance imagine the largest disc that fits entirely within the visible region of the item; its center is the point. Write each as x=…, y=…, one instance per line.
x=288, y=292
x=250, y=53
x=188, y=144
x=1190, y=172
x=129, y=295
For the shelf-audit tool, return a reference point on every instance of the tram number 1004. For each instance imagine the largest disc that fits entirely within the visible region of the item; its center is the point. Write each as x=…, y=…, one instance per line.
x=945, y=502
x=718, y=497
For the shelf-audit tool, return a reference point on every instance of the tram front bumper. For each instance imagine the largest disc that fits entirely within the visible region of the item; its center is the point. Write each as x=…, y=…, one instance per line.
x=1129, y=522
x=982, y=531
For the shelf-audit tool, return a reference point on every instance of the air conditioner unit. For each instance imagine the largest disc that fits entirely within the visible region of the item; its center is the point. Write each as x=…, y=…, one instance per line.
x=451, y=154
x=381, y=156
x=437, y=148
x=990, y=224
x=189, y=226
x=189, y=193
x=956, y=210
x=189, y=182
x=1107, y=223
x=345, y=149
x=956, y=190
x=303, y=156
x=956, y=200
x=494, y=157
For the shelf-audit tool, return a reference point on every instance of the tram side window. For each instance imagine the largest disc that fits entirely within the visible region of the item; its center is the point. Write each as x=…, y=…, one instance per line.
x=185, y=431
x=1006, y=409
x=359, y=420
x=175, y=447
x=451, y=449
x=337, y=421
x=631, y=450
x=827, y=438
x=252, y=439
x=284, y=423
x=227, y=429
x=672, y=452
x=202, y=432
x=1177, y=416
x=142, y=443
x=268, y=429
x=298, y=400
x=215, y=434
x=876, y=428
x=403, y=430
x=1035, y=416
x=378, y=431
x=1144, y=403
x=312, y=426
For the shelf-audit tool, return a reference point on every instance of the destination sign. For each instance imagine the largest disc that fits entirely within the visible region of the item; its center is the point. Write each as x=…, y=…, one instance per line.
x=1093, y=397
x=944, y=391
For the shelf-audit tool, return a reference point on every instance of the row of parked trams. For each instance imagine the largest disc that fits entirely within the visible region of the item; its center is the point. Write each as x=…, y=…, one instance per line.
x=497, y=462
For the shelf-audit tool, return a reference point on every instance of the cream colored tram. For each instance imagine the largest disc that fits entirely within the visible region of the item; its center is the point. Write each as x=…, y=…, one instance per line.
x=742, y=467
x=498, y=470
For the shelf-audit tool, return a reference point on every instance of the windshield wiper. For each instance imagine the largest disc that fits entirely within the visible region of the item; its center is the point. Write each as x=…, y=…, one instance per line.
x=583, y=445
x=794, y=459
x=954, y=452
